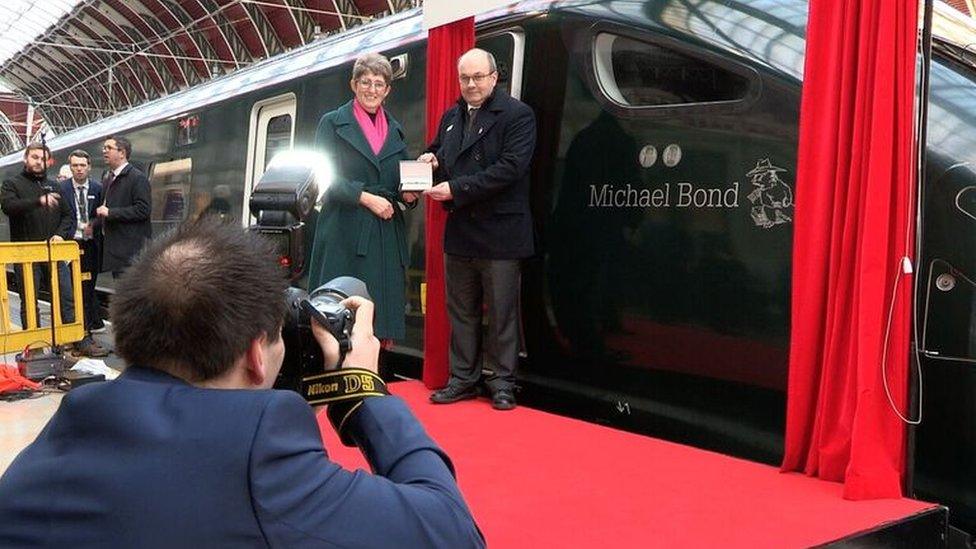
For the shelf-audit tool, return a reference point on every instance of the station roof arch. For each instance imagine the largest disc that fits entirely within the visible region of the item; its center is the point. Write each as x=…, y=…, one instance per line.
x=94, y=58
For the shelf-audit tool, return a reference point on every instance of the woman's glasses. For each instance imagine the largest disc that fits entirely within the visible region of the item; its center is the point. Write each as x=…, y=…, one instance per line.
x=377, y=85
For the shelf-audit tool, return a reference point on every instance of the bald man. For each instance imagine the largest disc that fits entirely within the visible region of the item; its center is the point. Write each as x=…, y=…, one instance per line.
x=481, y=157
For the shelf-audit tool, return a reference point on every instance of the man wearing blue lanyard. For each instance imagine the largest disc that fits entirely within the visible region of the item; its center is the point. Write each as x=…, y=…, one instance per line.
x=84, y=195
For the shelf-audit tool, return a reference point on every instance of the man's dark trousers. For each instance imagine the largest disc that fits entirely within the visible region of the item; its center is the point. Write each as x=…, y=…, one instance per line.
x=499, y=281
x=89, y=264
x=42, y=281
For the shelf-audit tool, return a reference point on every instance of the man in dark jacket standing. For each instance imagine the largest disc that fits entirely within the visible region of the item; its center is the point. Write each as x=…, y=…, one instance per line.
x=482, y=154
x=125, y=213
x=83, y=195
x=37, y=212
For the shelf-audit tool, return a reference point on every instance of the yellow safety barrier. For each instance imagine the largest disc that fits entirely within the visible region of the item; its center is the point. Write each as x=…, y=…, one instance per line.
x=28, y=254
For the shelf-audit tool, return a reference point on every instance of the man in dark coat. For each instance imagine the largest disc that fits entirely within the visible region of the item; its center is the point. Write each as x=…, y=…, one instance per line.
x=84, y=195
x=190, y=447
x=482, y=154
x=125, y=214
x=37, y=212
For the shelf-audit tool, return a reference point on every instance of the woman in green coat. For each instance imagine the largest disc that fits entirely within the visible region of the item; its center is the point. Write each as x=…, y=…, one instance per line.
x=360, y=230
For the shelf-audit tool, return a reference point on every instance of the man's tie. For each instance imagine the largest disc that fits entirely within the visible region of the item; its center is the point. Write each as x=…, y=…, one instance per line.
x=82, y=205
x=472, y=114
x=107, y=184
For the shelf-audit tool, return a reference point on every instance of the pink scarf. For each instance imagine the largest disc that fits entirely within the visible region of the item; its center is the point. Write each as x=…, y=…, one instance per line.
x=375, y=133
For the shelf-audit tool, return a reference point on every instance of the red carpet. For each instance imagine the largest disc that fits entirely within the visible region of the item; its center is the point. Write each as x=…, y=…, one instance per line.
x=539, y=480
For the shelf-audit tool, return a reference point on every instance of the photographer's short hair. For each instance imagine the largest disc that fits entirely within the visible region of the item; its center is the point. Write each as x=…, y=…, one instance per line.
x=195, y=299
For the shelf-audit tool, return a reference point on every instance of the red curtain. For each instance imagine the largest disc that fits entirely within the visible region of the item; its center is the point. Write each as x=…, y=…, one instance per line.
x=853, y=224
x=444, y=45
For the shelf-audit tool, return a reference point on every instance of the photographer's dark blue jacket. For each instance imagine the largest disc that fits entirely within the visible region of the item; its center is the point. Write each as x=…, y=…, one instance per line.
x=150, y=461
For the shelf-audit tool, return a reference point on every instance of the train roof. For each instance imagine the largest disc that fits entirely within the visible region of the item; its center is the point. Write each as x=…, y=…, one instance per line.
x=768, y=32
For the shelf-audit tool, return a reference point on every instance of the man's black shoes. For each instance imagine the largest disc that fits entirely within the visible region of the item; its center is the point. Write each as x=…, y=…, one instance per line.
x=453, y=393
x=503, y=399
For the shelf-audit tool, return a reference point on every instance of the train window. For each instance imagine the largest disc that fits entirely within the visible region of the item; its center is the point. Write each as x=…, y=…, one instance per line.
x=271, y=131
x=170, y=192
x=278, y=138
x=188, y=130
x=399, y=64
x=638, y=74
x=507, y=48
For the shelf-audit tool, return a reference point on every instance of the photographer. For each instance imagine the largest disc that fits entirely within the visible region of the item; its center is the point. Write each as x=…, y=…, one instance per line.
x=190, y=448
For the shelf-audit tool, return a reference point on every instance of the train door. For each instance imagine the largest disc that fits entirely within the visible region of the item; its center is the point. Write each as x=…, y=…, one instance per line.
x=272, y=130
x=661, y=277
x=945, y=331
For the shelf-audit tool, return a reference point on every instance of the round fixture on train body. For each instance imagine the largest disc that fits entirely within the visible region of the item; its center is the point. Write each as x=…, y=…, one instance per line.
x=945, y=282
x=671, y=155
x=648, y=156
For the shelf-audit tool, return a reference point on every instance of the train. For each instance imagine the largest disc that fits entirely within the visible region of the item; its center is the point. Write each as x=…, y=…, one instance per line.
x=663, y=195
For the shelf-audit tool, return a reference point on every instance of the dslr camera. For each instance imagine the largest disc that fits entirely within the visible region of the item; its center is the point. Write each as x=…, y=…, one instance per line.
x=281, y=201
x=303, y=356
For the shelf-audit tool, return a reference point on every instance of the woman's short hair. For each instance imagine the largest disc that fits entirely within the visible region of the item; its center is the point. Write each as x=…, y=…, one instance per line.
x=373, y=63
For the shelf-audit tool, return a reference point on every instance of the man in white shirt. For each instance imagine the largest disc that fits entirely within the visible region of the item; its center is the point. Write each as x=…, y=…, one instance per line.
x=84, y=195
x=125, y=213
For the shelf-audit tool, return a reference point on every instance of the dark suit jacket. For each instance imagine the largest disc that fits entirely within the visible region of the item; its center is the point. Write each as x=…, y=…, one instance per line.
x=127, y=227
x=150, y=461
x=29, y=221
x=94, y=201
x=489, y=216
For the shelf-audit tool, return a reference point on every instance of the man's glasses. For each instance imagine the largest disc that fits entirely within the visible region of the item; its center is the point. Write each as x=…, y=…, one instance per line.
x=476, y=78
x=110, y=148
x=377, y=85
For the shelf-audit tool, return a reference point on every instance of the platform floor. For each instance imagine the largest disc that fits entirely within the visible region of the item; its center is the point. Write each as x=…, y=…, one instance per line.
x=21, y=421
x=535, y=479
x=105, y=338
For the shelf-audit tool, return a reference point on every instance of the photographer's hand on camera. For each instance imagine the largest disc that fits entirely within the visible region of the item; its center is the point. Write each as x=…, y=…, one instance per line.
x=365, y=350
x=343, y=387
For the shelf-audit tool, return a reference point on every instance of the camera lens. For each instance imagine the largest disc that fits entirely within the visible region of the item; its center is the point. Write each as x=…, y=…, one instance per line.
x=342, y=287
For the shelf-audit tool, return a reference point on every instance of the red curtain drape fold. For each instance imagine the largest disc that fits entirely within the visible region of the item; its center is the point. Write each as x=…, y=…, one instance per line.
x=853, y=225
x=444, y=45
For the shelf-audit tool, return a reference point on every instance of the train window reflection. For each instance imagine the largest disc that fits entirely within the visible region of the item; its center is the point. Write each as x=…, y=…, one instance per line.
x=639, y=74
x=171, y=187
x=279, y=137
x=502, y=46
